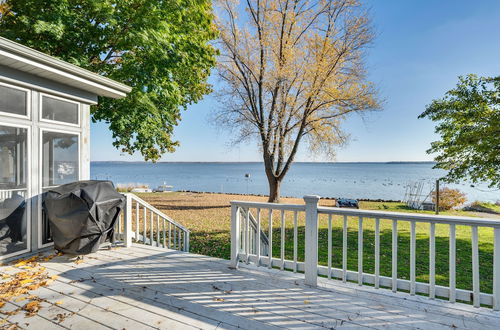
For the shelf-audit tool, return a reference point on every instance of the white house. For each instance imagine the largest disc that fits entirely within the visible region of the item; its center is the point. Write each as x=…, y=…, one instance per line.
x=44, y=137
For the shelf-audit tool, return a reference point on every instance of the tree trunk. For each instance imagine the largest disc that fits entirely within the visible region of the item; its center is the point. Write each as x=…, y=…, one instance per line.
x=274, y=189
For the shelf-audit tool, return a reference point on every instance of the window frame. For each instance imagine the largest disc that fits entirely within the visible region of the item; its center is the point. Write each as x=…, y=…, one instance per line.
x=43, y=120
x=28, y=102
x=28, y=189
x=40, y=179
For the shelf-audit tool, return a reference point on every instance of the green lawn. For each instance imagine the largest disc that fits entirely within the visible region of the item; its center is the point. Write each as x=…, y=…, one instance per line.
x=463, y=249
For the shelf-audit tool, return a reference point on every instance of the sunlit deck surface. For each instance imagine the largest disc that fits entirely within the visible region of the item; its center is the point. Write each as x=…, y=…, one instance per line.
x=144, y=287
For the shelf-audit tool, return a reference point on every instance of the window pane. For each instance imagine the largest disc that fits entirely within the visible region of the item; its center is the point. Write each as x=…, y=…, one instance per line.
x=13, y=100
x=59, y=110
x=59, y=158
x=13, y=167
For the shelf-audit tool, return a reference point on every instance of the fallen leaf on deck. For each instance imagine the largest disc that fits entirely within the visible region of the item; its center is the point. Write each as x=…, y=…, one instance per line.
x=306, y=302
x=218, y=299
x=30, y=276
x=60, y=317
x=58, y=302
x=32, y=308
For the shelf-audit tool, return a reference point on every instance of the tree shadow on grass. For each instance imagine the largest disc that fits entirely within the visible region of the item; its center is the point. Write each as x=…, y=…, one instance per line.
x=170, y=207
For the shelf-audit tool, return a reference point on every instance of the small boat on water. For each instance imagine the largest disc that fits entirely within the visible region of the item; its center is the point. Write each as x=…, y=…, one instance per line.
x=164, y=188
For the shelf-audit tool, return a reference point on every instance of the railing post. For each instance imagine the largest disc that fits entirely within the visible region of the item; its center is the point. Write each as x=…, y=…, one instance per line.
x=127, y=219
x=235, y=235
x=186, y=241
x=496, y=269
x=311, y=240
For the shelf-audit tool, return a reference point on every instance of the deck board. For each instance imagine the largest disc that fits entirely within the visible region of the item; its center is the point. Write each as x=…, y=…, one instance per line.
x=144, y=287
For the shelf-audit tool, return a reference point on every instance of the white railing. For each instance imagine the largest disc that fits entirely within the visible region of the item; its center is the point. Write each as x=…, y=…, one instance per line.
x=252, y=229
x=143, y=223
x=310, y=215
x=7, y=193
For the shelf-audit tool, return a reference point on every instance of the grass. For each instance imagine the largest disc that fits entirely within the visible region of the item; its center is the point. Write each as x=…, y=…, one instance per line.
x=487, y=206
x=208, y=218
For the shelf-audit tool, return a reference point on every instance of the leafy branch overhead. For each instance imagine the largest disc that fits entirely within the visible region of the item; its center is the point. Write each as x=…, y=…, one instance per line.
x=160, y=48
x=468, y=119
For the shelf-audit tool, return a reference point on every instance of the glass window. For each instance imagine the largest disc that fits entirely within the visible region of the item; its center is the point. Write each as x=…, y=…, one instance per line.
x=59, y=166
x=13, y=100
x=13, y=191
x=59, y=158
x=59, y=110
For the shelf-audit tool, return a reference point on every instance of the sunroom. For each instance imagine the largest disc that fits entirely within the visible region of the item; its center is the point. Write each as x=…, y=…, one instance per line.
x=44, y=137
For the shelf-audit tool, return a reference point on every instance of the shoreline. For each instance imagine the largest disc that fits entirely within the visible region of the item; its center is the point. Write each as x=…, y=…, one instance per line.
x=261, y=195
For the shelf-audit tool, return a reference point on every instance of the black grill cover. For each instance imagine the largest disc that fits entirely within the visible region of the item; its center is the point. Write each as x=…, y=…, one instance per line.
x=82, y=215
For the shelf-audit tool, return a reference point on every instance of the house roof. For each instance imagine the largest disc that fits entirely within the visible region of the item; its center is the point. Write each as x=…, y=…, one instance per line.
x=17, y=56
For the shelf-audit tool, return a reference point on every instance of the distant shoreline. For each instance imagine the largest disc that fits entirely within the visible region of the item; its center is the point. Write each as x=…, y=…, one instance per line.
x=222, y=162
x=262, y=195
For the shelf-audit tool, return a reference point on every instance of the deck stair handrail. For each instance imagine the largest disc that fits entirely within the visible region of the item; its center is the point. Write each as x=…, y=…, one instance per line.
x=311, y=214
x=143, y=223
x=247, y=215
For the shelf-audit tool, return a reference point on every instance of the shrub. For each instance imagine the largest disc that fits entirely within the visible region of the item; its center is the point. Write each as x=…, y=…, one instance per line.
x=449, y=198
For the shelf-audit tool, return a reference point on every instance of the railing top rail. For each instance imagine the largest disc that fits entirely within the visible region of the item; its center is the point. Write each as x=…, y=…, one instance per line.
x=410, y=216
x=274, y=206
x=156, y=211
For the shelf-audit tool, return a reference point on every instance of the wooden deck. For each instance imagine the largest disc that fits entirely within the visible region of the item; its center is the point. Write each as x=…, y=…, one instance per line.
x=144, y=287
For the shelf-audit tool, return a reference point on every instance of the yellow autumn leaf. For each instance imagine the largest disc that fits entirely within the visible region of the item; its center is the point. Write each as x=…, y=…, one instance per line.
x=59, y=302
x=32, y=307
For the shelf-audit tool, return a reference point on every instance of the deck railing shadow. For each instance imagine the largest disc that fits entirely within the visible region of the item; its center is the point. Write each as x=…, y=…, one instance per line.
x=195, y=286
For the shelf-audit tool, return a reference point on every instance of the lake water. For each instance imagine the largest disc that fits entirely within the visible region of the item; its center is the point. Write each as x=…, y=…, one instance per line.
x=348, y=180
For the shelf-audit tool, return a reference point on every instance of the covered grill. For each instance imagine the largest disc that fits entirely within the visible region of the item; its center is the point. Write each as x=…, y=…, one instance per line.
x=82, y=215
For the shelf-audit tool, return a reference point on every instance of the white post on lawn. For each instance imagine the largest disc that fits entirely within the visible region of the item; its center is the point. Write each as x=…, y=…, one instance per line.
x=127, y=240
x=235, y=235
x=311, y=240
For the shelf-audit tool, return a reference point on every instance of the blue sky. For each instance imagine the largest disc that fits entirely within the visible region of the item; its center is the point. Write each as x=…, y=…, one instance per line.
x=420, y=49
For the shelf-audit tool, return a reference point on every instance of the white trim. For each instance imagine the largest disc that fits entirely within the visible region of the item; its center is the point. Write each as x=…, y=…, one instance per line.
x=41, y=89
x=41, y=186
x=28, y=102
x=31, y=57
x=43, y=120
x=78, y=82
x=28, y=195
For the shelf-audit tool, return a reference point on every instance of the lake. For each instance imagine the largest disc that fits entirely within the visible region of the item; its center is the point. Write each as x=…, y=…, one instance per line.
x=349, y=180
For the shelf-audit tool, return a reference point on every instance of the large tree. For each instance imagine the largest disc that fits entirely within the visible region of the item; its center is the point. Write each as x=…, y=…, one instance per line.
x=292, y=70
x=468, y=119
x=160, y=48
